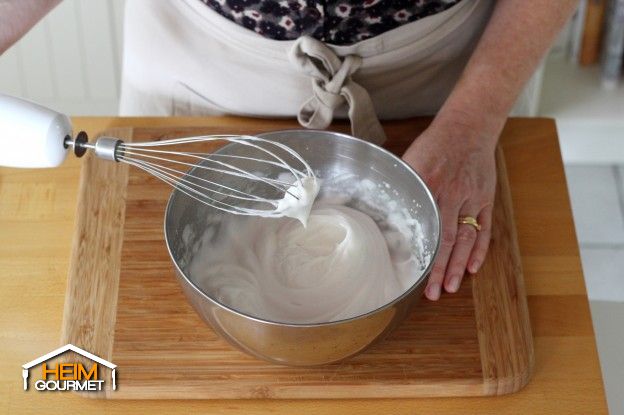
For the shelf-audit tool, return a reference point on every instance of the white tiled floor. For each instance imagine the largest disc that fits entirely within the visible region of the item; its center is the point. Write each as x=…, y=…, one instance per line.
x=608, y=317
x=604, y=272
x=596, y=204
x=597, y=196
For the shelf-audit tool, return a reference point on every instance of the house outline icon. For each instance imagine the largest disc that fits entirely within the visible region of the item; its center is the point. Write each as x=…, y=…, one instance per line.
x=26, y=367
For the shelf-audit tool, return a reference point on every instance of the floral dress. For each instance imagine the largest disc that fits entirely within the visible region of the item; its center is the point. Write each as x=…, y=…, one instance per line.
x=342, y=22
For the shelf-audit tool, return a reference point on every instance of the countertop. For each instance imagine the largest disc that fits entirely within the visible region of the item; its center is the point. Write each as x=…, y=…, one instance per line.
x=37, y=210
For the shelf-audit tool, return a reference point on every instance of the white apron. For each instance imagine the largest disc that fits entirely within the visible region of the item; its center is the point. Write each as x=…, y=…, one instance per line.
x=182, y=58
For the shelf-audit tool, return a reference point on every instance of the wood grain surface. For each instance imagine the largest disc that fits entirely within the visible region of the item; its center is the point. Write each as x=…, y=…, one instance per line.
x=37, y=218
x=94, y=268
x=477, y=342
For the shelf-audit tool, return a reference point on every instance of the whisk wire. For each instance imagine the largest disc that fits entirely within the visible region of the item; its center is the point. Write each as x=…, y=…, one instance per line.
x=236, y=171
x=240, y=139
x=223, y=196
x=180, y=175
x=198, y=195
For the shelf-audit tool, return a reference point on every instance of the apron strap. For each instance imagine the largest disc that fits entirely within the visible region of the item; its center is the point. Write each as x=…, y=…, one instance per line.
x=332, y=87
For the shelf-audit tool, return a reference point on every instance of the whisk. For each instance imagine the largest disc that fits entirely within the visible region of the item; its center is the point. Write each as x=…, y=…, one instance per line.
x=253, y=177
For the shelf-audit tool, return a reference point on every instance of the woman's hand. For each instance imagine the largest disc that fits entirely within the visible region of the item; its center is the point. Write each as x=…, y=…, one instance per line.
x=455, y=155
x=457, y=163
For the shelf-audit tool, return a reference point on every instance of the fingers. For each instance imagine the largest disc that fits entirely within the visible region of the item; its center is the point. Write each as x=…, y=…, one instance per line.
x=464, y=243
x=449, y=213
x=477, y=256
x=462, y=248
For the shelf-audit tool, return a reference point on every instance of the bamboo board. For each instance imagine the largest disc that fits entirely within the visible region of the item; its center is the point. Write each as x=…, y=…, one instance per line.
x=124, y=304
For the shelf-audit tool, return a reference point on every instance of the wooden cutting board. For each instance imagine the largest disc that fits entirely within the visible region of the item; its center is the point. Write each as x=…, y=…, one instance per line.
x=124, y=304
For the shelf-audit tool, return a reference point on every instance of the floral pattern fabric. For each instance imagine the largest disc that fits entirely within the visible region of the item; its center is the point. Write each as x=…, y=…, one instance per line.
x=342, y=22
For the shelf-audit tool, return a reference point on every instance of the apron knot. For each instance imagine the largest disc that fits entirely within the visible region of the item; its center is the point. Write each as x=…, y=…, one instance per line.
x=332, y=86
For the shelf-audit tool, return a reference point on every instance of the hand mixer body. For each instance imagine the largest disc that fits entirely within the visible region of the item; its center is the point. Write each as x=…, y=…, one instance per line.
x=31, y=135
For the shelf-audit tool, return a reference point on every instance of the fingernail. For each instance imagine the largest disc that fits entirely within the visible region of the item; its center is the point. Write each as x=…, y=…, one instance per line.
x=474, y=267
x=453, y=285
x=433, y=291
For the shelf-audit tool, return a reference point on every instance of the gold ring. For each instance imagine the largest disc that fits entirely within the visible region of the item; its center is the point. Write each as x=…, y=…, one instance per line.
x=469, y=220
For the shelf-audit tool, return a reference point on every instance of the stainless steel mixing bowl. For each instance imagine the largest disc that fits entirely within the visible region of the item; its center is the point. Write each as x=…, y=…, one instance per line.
x=331, y=155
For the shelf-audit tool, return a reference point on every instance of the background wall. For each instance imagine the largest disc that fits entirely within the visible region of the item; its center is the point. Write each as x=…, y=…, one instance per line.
x=71, y=60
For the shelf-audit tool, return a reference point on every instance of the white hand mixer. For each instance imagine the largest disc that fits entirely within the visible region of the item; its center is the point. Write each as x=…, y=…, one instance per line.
x=33, y=136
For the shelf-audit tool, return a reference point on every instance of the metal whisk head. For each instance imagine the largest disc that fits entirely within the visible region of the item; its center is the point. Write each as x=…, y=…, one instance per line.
x=250, y=178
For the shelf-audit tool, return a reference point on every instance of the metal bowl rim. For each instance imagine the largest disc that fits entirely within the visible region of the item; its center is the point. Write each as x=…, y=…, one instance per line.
x=398, y=299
